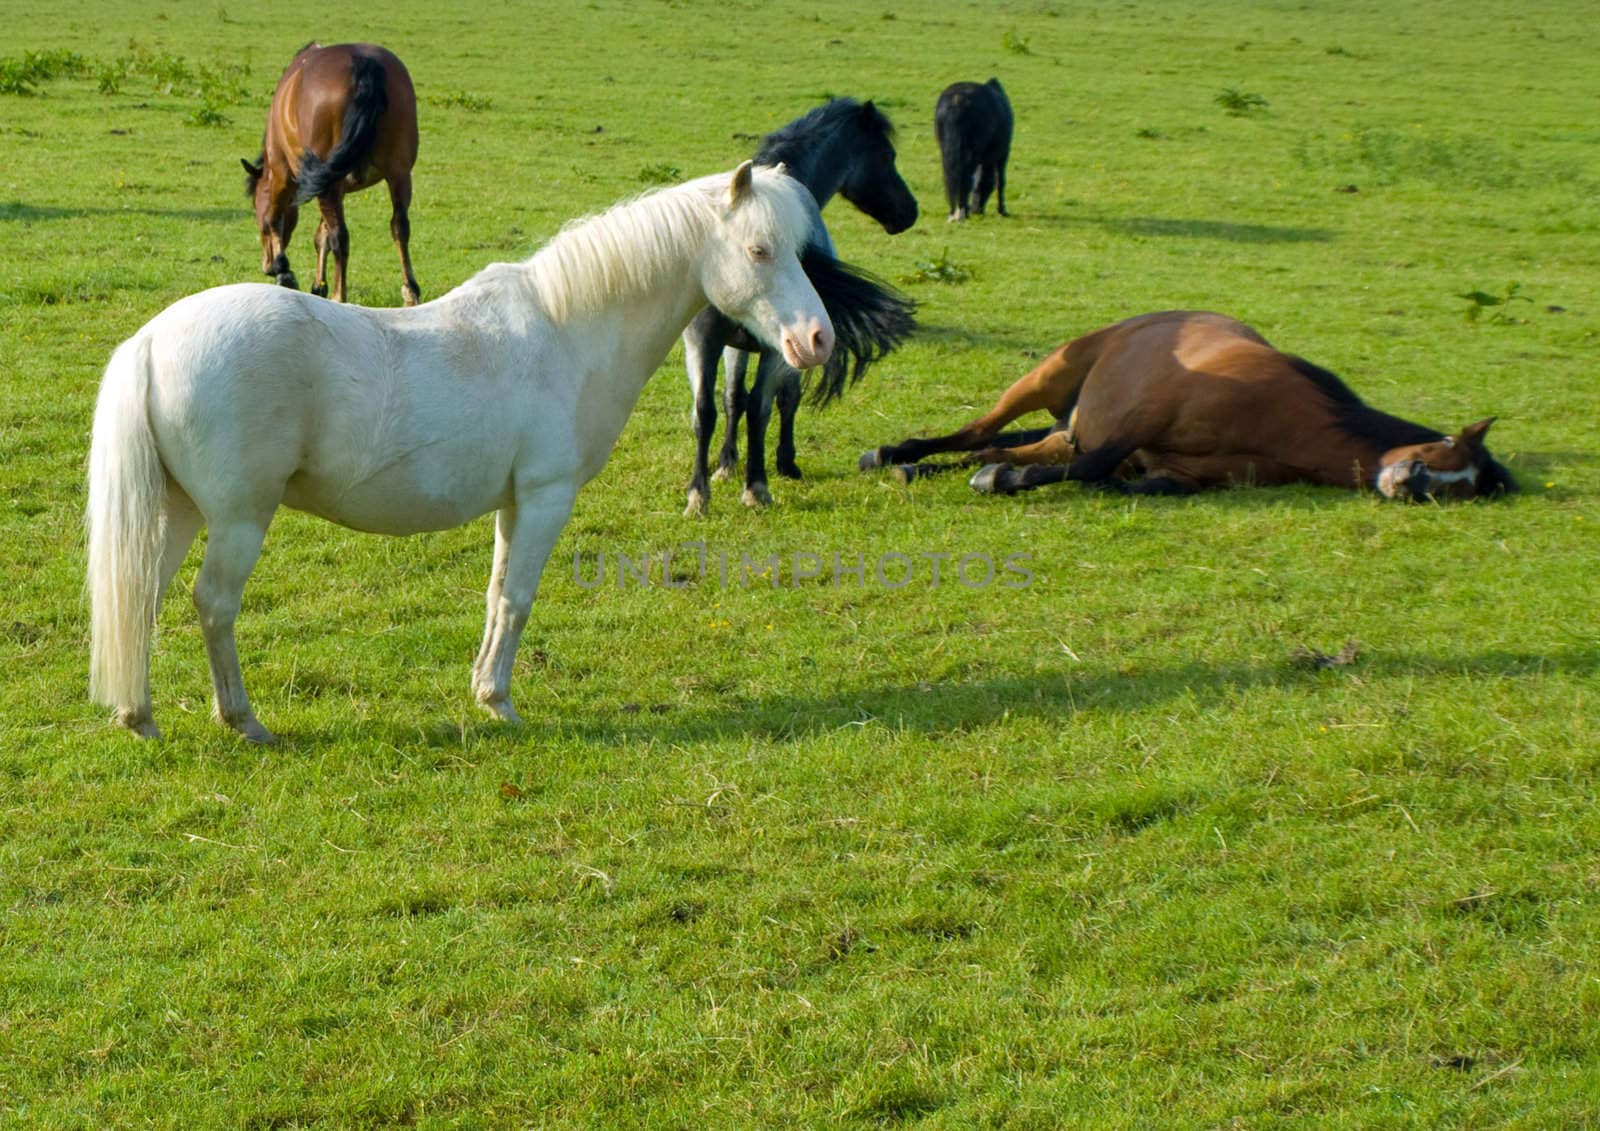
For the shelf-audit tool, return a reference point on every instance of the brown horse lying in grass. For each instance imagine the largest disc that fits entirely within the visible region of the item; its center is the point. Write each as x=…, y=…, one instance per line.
x=342, y=119
x=1184, y=401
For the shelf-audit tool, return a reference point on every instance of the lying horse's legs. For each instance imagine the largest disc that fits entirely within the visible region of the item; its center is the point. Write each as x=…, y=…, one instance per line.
x=1051, y=385
x=1053, y=460
x=232, y=548
x=757, y=412
x=735, y=364
x=700, y=353
x=525, y=533
x=906, y=472
x=788, y=399
x=400, y=229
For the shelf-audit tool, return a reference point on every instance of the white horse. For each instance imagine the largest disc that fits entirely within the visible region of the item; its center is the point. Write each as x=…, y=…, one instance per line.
x=506, y=394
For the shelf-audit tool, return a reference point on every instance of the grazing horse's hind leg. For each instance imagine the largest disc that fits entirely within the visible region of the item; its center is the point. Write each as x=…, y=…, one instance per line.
x=400, y=229
x=231, y=552
x=332, y=236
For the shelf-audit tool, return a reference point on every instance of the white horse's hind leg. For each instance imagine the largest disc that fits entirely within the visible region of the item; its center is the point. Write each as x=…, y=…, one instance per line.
x=231, y=553
x=525, y=533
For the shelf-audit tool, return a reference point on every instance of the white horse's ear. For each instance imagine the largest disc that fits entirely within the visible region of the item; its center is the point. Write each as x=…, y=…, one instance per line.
x=740, y=186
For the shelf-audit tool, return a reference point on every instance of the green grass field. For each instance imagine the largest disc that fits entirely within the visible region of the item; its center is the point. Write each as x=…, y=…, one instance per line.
x=1096, y=851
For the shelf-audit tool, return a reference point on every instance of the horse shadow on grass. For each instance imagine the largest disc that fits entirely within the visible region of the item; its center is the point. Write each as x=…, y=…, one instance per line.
x=1165, y=227
x=18, y=212
x=952, y=707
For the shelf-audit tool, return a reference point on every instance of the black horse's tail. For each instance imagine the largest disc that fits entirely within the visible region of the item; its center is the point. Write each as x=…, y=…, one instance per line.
x=952, y=151
x=870, y=318
x=369, y=100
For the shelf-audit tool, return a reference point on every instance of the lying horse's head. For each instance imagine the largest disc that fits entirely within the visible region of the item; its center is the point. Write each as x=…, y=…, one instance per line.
x=1451, y=467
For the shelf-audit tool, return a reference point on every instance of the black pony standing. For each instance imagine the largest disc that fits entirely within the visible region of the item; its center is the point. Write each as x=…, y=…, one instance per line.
x=844, y=147
x=973, y=124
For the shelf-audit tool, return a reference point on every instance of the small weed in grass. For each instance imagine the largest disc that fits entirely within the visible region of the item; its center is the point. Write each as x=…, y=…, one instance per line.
x=1480, y=301
x=1239, y=103
x=474, y=103
x=1015, y=44
x=661, y=173
x=940, y=270
x=206, y=114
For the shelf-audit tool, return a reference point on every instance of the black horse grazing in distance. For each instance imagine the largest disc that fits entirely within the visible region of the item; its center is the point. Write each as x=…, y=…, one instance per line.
x=844, y=147
x=973, y=124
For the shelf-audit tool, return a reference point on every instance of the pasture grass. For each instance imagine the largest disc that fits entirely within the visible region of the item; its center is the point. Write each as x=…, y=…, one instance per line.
x=1103, y=850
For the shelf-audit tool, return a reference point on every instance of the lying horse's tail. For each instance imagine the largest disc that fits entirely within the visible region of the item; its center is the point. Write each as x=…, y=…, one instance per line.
x=127, y=489
x=368, y=102
x=870, y=318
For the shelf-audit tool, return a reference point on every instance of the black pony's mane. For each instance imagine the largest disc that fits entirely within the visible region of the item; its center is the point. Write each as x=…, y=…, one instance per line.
x=1359, y=419
x=870, y=318
x=825, y=119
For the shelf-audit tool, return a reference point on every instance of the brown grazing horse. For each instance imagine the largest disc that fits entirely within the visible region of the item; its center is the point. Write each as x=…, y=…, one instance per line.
x=1182, y=401
x=342, y=119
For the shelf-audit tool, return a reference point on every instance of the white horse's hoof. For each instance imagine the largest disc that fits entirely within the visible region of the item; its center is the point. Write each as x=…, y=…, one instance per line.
x=501, y=709
x=139, y=724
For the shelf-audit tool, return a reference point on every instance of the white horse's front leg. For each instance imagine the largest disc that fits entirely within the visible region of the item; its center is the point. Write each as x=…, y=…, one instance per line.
x=525, y=533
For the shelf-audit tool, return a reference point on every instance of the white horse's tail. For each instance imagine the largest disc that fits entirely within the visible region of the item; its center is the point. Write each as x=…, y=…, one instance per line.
x=127, y=489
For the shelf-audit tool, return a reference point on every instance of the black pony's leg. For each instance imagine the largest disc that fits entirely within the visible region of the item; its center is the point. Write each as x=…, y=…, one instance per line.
x=983, y=185
x=1000, y=185
x=700, y=352
x=758, y=410
x=734, y=403
x=788, y=400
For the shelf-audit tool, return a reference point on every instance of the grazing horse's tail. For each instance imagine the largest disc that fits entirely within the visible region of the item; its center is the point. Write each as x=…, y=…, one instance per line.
x=368, y=102
x=127, y=490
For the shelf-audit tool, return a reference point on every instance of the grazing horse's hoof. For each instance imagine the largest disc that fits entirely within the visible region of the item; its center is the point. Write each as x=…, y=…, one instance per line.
x=320, y=290
x=757, y=495
x=723, y=473
x=699, y=505
x=789, y=469
x=870, y=459
x=410, y=295
x=287, y=279
x=249, y=727
x=995, y=479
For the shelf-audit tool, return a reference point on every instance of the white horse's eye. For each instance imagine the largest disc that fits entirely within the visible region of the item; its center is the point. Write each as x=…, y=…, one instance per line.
x=760, y=252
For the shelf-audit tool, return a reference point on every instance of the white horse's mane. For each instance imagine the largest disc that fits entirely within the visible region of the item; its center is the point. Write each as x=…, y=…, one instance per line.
x=628, y=248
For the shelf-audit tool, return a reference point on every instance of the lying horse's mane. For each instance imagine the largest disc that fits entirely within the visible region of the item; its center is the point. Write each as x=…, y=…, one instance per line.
x=1358, y=418
x=825, y=119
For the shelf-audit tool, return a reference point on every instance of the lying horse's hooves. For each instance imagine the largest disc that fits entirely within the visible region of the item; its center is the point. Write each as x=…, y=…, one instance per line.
x=995, y=479
x=870, y=459
x=904, y=473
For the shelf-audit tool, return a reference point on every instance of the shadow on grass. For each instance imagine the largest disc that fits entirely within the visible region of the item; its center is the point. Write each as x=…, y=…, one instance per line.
x=953, y=707
x=1162, y=227
x=15, y=210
